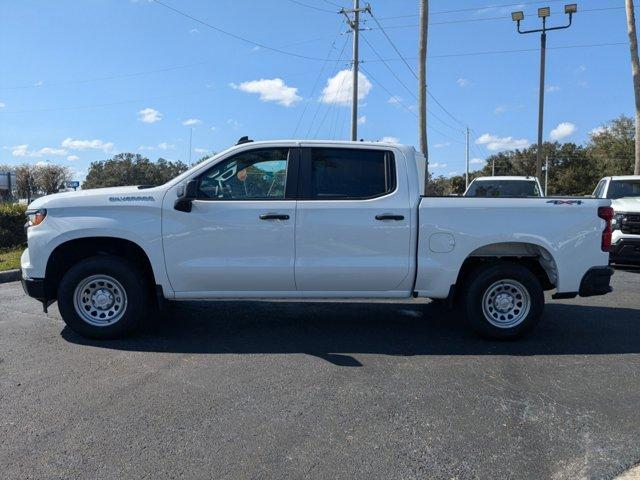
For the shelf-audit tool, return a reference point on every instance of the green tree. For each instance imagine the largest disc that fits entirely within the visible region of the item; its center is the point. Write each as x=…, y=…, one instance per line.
x=613, y=147
x=131, y=169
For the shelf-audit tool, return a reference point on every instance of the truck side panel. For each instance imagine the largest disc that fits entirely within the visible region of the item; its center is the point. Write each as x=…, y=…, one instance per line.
x=453, y=228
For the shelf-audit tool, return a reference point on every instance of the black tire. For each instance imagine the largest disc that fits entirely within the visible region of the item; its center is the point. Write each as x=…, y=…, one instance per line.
x=508, y=280
x=135, y=298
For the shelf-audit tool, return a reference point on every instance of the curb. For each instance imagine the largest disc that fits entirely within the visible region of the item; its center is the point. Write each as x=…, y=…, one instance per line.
x=10, y=276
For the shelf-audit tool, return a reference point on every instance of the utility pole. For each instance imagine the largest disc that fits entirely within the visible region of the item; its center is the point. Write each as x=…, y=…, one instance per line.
x=635, y=70
x=466, y=177
x=422, y=85
x=543, y=13
x=355, y=27
x=546, y=175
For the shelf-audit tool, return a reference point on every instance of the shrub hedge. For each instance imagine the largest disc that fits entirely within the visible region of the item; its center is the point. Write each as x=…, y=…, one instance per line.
x=12, y=222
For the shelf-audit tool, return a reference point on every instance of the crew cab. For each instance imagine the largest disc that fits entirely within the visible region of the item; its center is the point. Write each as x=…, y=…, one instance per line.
x=310, y=219
x=624, y=192
x=505, y=186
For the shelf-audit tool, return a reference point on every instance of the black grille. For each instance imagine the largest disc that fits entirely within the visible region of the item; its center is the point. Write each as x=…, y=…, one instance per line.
x=630, y=224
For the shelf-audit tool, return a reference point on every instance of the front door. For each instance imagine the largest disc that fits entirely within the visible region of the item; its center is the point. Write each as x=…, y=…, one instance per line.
x=353, y=224
x=238, y=239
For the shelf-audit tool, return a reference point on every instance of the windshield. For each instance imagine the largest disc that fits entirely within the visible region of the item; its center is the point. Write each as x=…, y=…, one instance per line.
x=503, y=188
x=623, y=188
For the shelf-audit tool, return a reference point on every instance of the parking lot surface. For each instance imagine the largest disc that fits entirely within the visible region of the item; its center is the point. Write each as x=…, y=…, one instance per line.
x=396, y=389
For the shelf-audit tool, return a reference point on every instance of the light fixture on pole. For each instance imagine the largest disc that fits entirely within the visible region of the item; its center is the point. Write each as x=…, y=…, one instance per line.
x=543, y=13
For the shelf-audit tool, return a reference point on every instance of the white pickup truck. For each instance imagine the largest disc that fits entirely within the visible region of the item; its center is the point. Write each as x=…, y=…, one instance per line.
x=310, y=219
x=624, y=193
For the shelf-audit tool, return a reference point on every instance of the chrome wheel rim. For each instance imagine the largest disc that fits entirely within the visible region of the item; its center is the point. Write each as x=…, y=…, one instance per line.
x=100, y=300
x=506, y=303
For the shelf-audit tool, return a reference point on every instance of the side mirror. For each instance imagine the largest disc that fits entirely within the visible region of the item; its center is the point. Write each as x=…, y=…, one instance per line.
x=183, y=203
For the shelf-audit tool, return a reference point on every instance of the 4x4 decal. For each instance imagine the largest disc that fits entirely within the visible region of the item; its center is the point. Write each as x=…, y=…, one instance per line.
x=565, y=202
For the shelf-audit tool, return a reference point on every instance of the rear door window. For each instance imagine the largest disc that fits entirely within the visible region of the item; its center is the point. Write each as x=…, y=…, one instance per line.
x=348, y=174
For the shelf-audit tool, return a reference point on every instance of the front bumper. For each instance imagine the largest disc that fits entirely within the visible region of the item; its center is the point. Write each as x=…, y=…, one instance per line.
x=625, y=251
x=34, y=287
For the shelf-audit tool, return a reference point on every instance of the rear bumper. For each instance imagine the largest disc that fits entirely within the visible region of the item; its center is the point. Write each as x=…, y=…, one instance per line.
x=625, y=251
x=596, y=282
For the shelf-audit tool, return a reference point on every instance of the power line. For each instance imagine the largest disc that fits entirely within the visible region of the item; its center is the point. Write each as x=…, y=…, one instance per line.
x=400, y=102
x=317, y=81
x=333, y=3
x=485, y=7
x=472, y=20
x=233, y=35
x=391, y=70
x=393, y=45
x=333, y=72
x=302, y=4
x=494, y=52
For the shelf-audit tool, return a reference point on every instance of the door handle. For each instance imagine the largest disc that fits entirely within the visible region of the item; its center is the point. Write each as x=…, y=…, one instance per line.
x=389, y=217
x=273, y=216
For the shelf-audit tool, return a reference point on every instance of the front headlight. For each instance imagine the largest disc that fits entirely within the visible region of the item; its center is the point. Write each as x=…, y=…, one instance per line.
x=618, y=219
x=35, y=217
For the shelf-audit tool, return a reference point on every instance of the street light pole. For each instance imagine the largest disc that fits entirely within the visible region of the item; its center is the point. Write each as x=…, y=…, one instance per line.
x=543, y=13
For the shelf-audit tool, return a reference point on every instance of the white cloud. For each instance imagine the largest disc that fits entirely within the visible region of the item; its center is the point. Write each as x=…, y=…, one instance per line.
x=191, y=122
x=598, y=130
x=194, y=31
x=389, y=140
x=233, y=123
x=463, y=82
x=19, y=150
x=73, y=158
x=500, y=109
x=49, y=151
x=453, y=174
x=166, y=146
x=552, y=89
x=395, y=100
x=2, y=104
x=149, y=115
x=442, y=145
x=362, y=120
x=72, y=144
x=39, y=83
x=563, y=130
x=201, y=150
x=495, y=143
x=271, y=90
x=213, y=129
x=437, y=165
x=581, y=69
x=339, y=90
x=476, y=161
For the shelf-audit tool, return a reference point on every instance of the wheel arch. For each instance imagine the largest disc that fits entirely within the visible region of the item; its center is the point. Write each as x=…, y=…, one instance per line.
x=72, y=251
x=535, y=257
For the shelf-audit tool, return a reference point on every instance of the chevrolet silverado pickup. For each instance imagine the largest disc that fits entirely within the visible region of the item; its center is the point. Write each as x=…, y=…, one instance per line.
x=310, y=219
x=624, y=193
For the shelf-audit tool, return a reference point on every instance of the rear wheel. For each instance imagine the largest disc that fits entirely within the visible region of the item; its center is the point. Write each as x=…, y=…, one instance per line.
x=102, y=297
x=503, y=300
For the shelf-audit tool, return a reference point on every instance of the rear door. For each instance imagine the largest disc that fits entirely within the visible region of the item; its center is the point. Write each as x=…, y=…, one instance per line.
x=353, y=223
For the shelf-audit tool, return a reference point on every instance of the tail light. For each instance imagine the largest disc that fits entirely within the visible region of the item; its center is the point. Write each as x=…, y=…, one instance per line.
x=606, y=213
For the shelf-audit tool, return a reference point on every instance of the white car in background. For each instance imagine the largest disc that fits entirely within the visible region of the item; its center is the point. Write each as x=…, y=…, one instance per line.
x=504, y=187
x=624, y=192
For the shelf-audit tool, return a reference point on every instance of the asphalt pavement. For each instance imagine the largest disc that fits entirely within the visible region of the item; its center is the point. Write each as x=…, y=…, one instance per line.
x=340, y=390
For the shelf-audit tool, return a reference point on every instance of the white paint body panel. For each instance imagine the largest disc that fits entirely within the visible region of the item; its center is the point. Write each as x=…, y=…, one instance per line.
x=327, y=248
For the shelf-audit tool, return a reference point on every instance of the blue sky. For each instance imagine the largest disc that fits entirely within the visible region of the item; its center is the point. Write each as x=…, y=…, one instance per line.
x=81, y=80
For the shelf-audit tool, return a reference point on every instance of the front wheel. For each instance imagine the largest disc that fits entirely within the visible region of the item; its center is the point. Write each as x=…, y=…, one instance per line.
x=503, y=300
x=102, y=297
